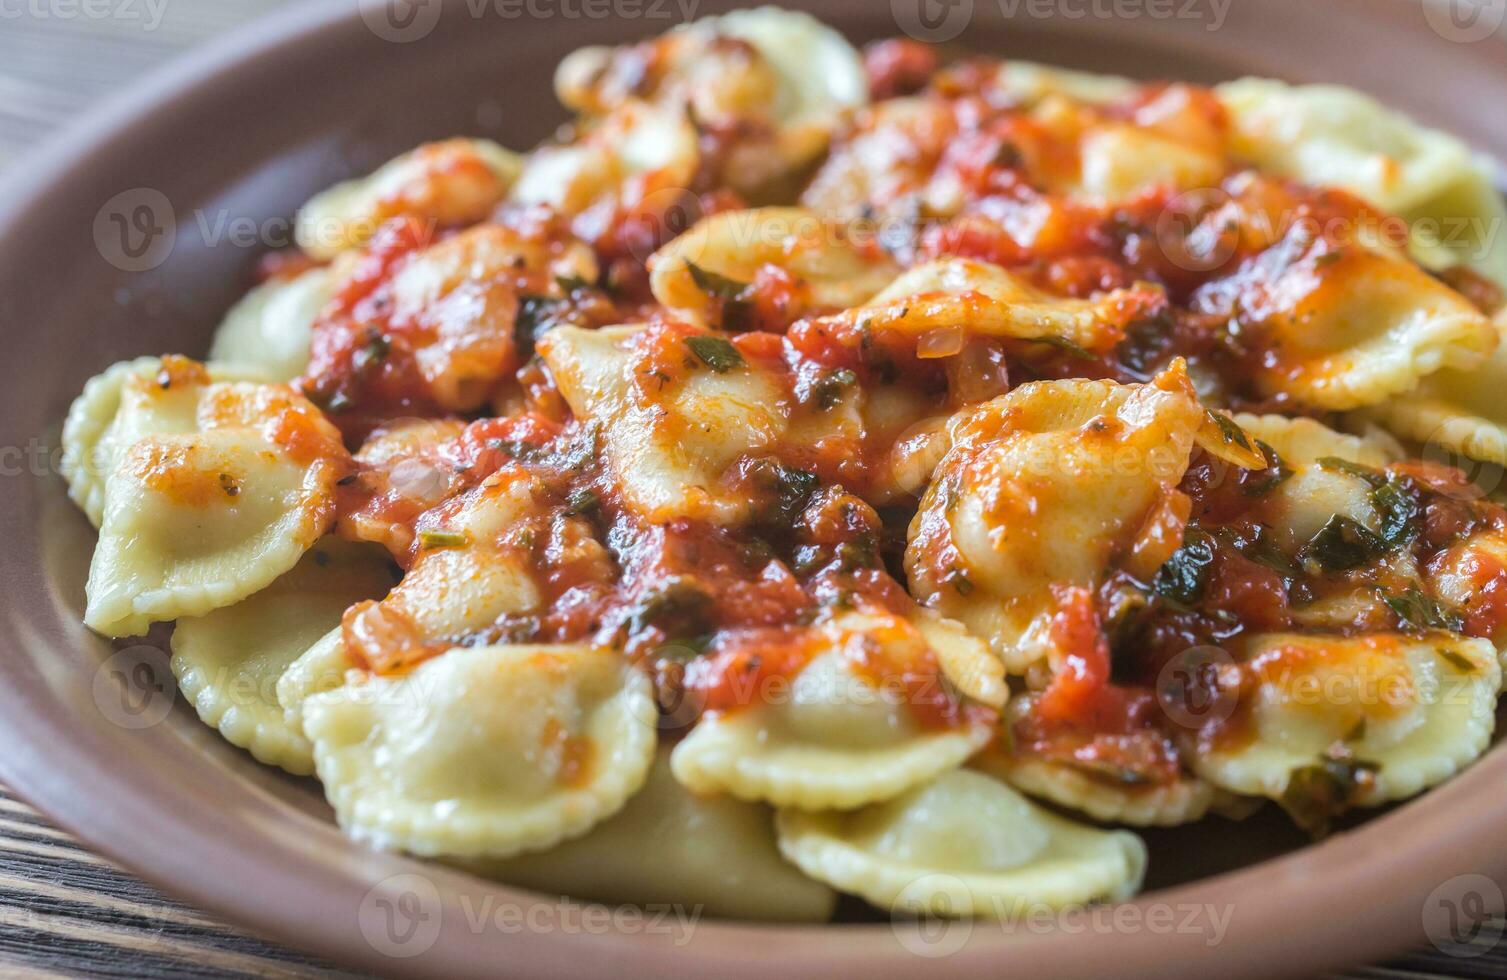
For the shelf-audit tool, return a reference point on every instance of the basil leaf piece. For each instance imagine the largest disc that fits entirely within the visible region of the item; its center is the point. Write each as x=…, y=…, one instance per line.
x=1397, y=504
x=1316, y=794
x=1065, y=345
x=716, y=353
x=1185, y=576
x=715, y=283
x=1418, y=611
x=1342, y=544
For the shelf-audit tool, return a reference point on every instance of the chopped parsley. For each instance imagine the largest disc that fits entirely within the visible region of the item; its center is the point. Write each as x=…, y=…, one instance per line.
x=1316, y=794
x=1418, y=611
x=829, y=389
x=582, y=502
x=1185, y=576
x=1342, y=544
x=1228, y=430
x=715, y=352
x=1070, y=347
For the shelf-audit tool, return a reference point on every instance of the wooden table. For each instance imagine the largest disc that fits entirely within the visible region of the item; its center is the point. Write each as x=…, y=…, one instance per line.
x=63, y=910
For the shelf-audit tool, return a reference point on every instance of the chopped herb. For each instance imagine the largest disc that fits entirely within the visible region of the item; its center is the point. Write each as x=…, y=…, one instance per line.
x=960, y=582
x=536, y=315
x=1107, y=771
x=582, y=502
x=1418, y=611
x=1263, y=482
x=794, y=489
x=443, y=539
x=715, y=352
x=1327, y=259
x=715, y=283
x=1457, y=660
x=678, y=607
x=1338, y=465
x=569, y=284
x=1228, y=430
x=228, y=484
x=1397, y=504
x=1185, y=576
x=1065, y=345
x=347, y=480
x=828, y=391
x=1341, y=545
x=1316, y=794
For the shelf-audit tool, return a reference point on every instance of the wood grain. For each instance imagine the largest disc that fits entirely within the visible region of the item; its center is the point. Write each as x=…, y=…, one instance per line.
x=65, y=912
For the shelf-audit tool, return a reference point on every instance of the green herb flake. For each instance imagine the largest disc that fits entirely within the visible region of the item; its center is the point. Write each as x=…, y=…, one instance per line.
x=1337, y=465
x=1185, y=576
x=715, y=352
x=1418, y=611
x=960, y=582
x=1262, y=482
x=828, y=391
x=1401, y=514
x=1340, y=545
x=1317, y=794
x=582, y=502
x=1457, y=660
x=1229, y=431
x=1067, y=346
x=442, y=539
x=715, y=283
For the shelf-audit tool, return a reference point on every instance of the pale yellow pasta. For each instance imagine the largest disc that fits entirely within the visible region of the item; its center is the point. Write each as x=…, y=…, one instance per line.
x=120, y=405
x=964, y=844
x=667, y=452
x=669, y=846
x=1029, y=82
x=1459, y=413
x=321, y=667
x=197, y=520
x=829, y=271
x=450, y=182
x=786, y=89
x=1119, y=161
x=636, y=141
x=1169, y=805
x=884, y=164
x=1417, y=710
x=1327, y=135
x=980, y=299
x=270, y=329
x=485, y=751
x=229, y=662
x=1360, y=326
x=832, y=737
x=1039, y=488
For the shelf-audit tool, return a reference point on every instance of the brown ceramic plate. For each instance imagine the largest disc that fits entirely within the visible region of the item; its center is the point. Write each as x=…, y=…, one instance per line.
x=135, y=233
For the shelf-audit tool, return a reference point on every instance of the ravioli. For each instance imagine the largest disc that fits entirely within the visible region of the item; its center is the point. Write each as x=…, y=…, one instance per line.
x=229, y=662
x=485, y=751
x=450, y=182
x=1329, y=135
x=1184, y=801
x=1455, y=412
x=973, y=298
x=233, y=482
x=1355, y=327
x=1412, y=711
x=829, y=271
x=780, y=79
x=1031, y=496
x=669, y=846
x=270, y=329
x=962, y=845
x=837, y=737
x=126, y=401
x=667, y=452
